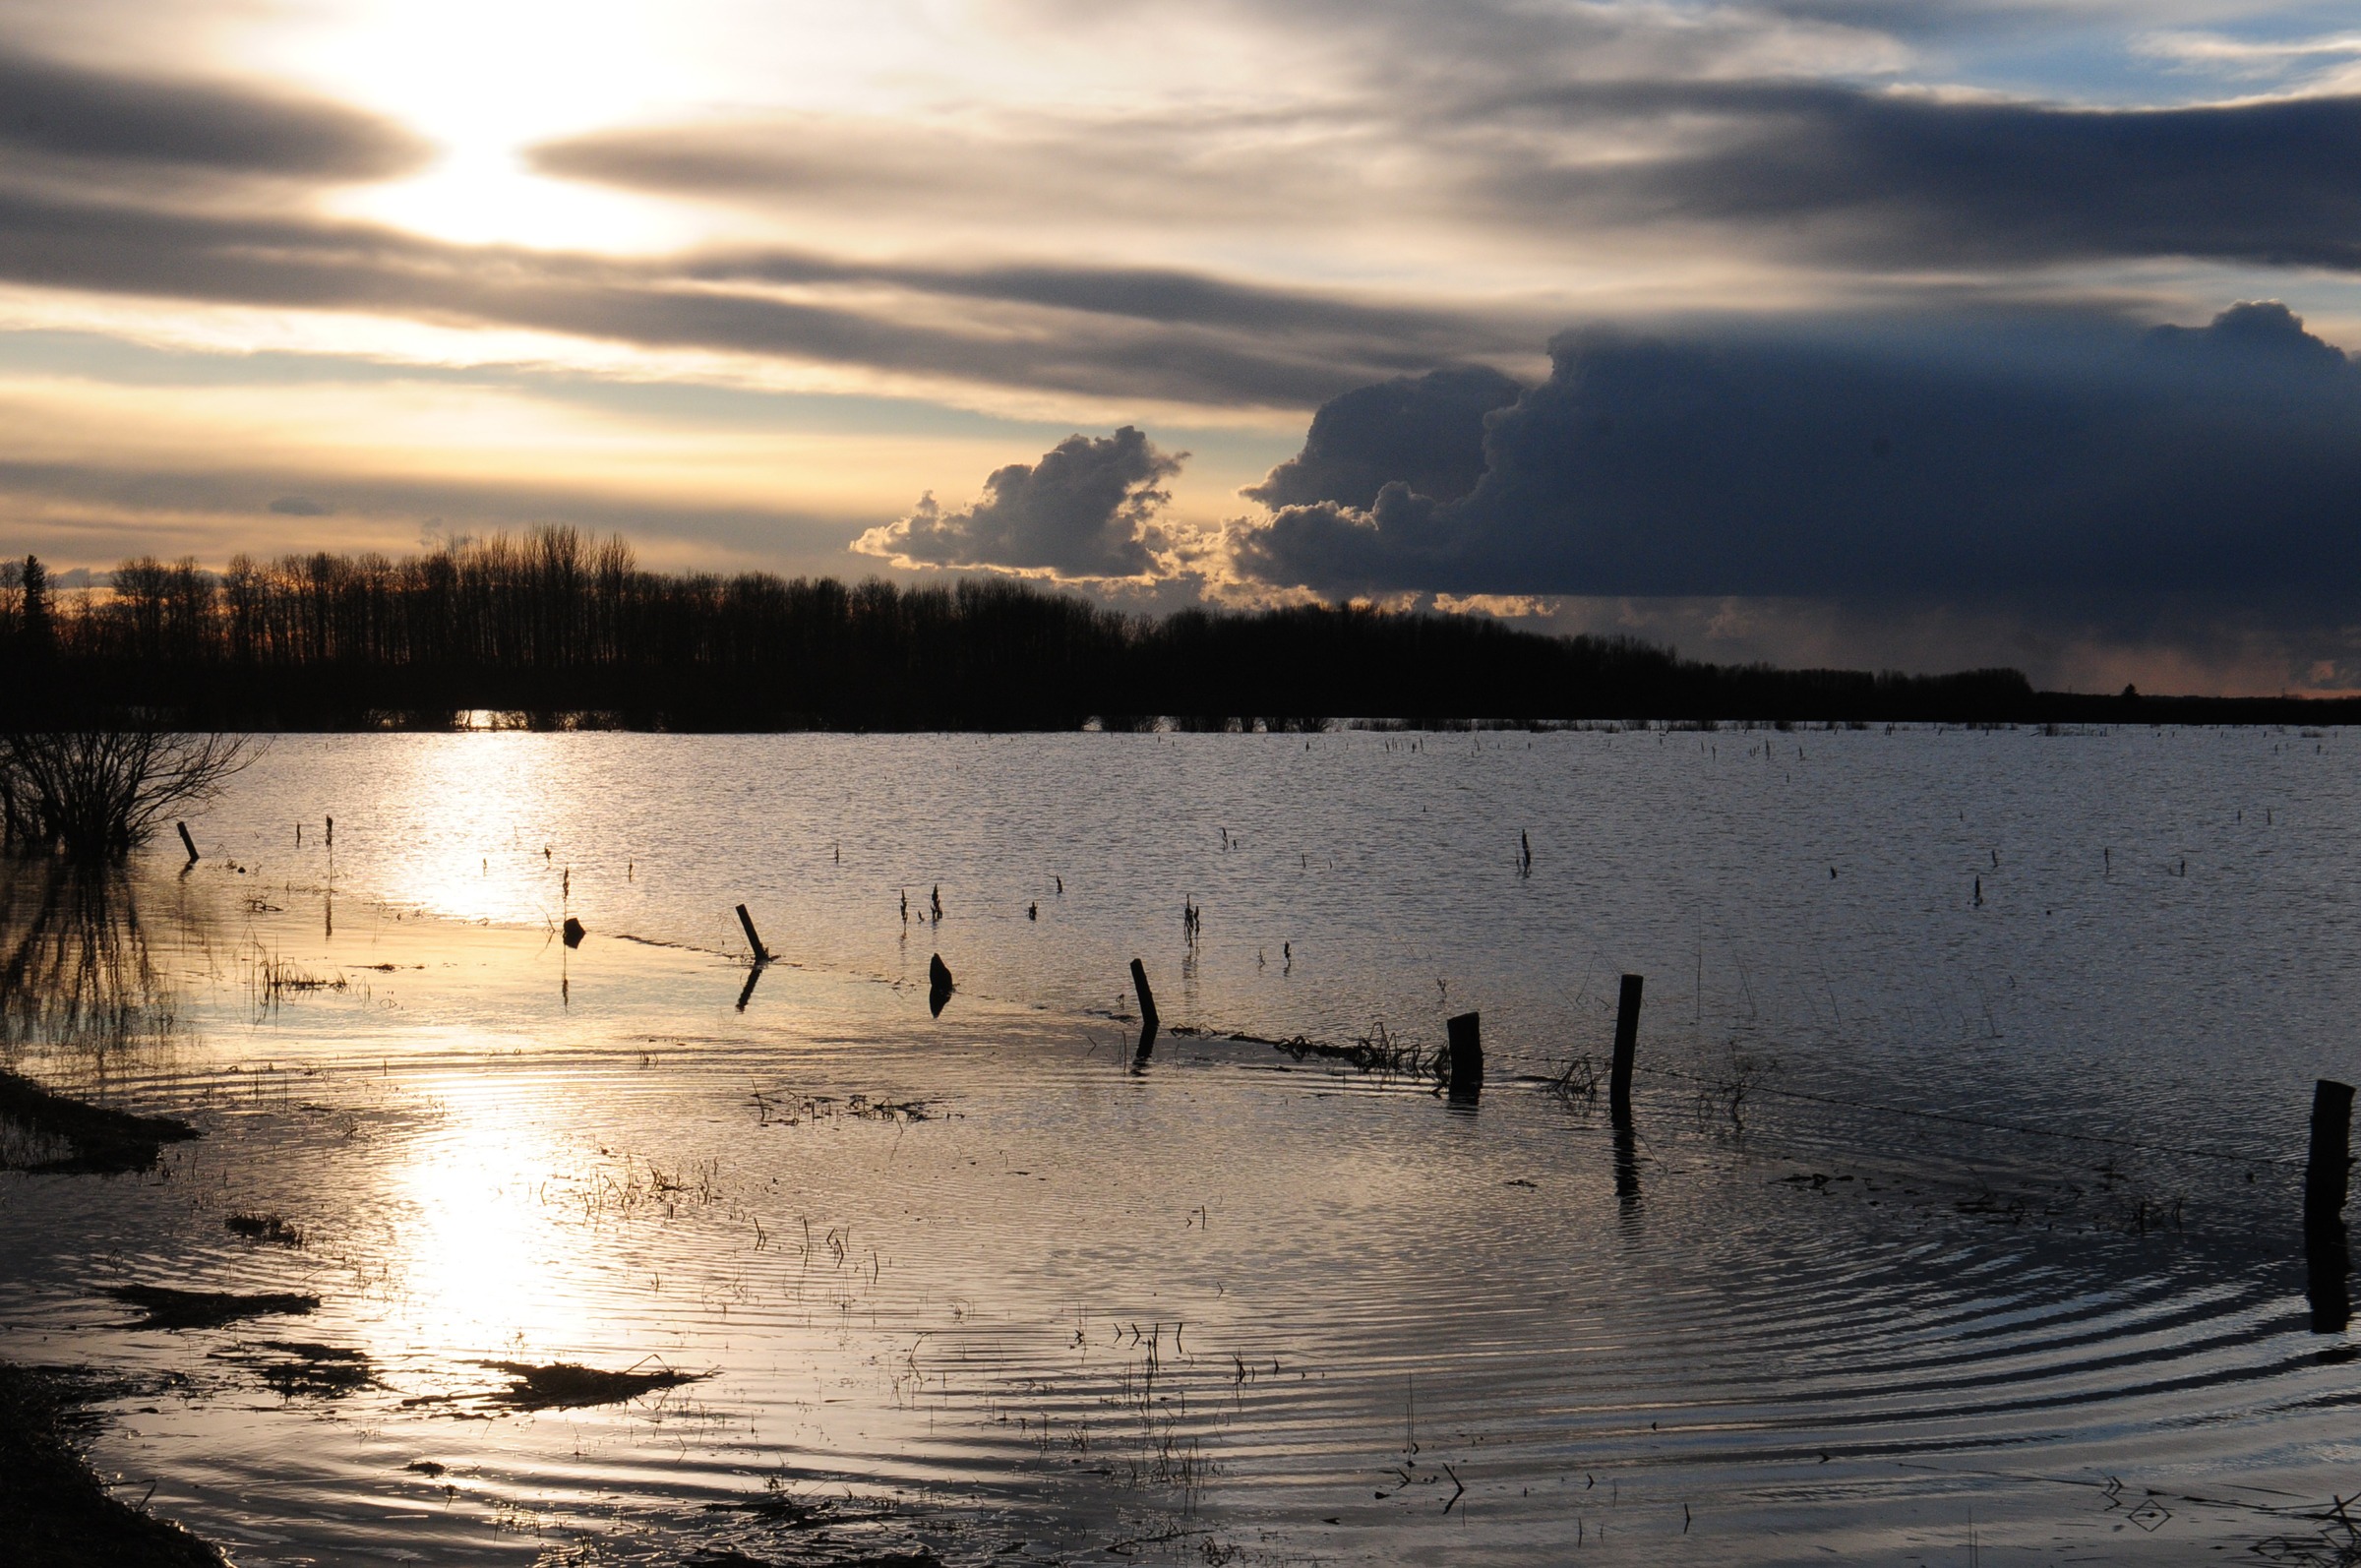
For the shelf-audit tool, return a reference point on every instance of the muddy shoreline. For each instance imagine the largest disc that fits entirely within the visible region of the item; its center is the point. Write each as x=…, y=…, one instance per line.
x=55, y=1508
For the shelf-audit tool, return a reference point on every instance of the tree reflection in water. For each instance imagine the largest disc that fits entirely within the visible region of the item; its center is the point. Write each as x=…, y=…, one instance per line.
x=81, y=995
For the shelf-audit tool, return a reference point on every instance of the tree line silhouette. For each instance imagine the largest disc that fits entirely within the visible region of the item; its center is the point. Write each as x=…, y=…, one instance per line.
x=566, y=629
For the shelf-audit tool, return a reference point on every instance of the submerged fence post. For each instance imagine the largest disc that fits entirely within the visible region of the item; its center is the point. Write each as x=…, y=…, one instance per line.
x=2326, y=1170
x=752, y=940
x=2326, y=1173
x=1627, y=1041
x=1148, y=1021
x=187, y=842
x=1467, y=1055
x=939, y=985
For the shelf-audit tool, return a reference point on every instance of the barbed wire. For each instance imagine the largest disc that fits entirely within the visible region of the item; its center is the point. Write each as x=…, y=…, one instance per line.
x=1984, y=1123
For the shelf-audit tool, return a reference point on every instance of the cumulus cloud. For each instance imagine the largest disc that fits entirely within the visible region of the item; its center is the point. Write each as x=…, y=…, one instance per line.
x=2058, y=460
x=1085, y=510
x=1422, y=431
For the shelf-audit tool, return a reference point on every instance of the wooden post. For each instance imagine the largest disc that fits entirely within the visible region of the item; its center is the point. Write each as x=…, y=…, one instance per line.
x=187, y=842
x=572, y=932
x=1627, y=1040
x=1467, y=1055
x=2330, y=1162
x=753, y=941
x=939, y=985
x=1149, y=1023
x=2328, y=1259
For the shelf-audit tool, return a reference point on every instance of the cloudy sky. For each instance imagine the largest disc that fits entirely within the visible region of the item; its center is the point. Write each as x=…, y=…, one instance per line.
x=1952, y=333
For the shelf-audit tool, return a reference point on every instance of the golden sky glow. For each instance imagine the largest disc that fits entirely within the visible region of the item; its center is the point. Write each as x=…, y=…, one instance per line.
x=746, y=281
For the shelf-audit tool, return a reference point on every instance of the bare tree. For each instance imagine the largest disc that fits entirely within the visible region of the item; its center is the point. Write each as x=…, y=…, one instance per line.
x=97, y=793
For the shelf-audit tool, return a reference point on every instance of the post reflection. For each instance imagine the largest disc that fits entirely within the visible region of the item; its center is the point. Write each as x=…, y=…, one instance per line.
x=1627, y=1164
x=2327, y=1269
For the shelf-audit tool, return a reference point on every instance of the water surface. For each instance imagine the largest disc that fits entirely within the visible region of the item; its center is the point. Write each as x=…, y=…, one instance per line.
x=1992, y=1254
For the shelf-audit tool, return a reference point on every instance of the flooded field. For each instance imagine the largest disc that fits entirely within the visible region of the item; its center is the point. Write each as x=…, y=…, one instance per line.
x=1959, y=1221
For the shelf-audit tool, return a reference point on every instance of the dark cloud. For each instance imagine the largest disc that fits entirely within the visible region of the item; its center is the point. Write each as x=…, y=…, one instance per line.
x=1127, y=166
x=1424, y=430
x=146, y=185
x=96, y=173
x=1865, y=177
x=1084, y=510
x=1887, y=177
x=301, y=507
x=1207, y=341
x=2188, y=645
x=2059, y=460
x=1164, y=296
x=55, y=112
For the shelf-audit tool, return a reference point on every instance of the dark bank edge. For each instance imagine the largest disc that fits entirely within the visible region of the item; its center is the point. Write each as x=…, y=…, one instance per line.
x=53, y=1508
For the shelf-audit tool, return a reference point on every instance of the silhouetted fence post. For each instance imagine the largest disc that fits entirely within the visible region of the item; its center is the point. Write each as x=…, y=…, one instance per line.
x=1467, y=1055
x=2329, y=1166
x=752, y=940
x=187, y=842
x=939, y=985
x=1627, y=1041
x=2328, y=1262
x=1148, y=1021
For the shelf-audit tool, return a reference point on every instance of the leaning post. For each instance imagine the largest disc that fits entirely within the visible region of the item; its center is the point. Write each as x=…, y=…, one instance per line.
x=1627, y=1041
x=752, y=940
x=1148, y=1021
x=186, y=842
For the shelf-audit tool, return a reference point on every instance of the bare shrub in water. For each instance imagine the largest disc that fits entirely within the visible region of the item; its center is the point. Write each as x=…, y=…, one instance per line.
x=96, y=794
x=1580, y=1080
x=1727, y=1091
